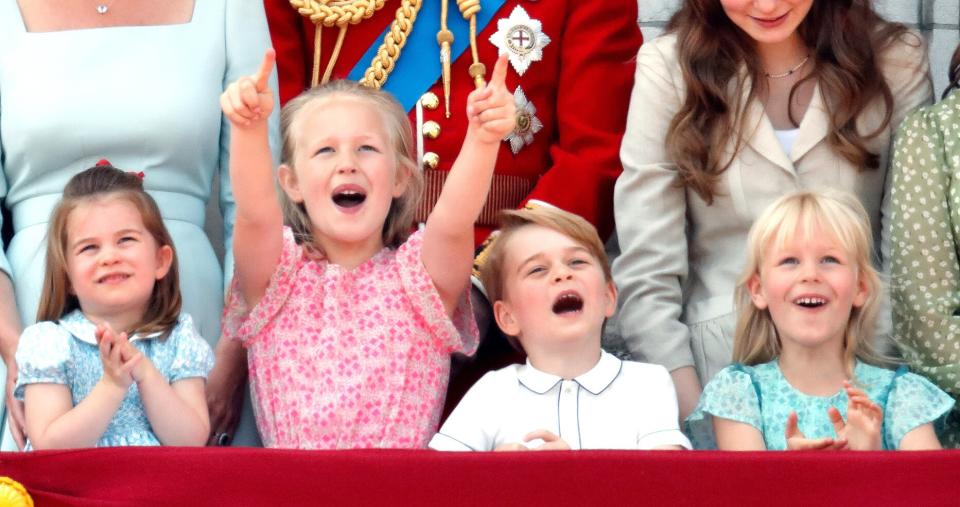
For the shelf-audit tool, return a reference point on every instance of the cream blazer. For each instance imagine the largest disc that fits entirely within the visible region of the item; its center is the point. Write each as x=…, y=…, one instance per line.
x=680, y=257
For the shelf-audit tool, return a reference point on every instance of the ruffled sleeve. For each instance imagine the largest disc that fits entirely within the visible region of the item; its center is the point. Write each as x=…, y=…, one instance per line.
x=912, y=402
x=455, y=334
x=732, y=395
x=244, y=324
x=193, y=357
x=43, y=356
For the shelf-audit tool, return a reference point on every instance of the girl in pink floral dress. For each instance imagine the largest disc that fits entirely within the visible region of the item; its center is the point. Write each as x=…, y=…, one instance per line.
x=348, y=319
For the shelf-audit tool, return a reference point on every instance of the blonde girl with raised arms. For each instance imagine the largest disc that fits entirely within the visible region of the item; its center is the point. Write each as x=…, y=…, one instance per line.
x=111, y=360
x=806, y=375
x=349, y=319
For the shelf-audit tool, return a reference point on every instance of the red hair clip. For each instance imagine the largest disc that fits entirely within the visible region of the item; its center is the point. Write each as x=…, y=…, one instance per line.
x=103, y=162
x=137, y=174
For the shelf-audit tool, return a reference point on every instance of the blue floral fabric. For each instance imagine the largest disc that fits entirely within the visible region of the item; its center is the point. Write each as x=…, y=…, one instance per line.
x=66, y=352
x=761, y=397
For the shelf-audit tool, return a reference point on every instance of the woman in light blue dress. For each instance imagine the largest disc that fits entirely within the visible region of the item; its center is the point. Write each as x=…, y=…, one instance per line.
x=76, y=87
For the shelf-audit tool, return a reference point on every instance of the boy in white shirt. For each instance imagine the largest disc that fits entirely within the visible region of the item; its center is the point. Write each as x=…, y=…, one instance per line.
x=550, y=283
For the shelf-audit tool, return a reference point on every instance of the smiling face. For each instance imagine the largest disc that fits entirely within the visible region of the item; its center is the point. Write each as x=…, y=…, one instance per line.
x=113, y=262
x=554, y=290
x=767, y=21
x=345, y=172
x=810, y=285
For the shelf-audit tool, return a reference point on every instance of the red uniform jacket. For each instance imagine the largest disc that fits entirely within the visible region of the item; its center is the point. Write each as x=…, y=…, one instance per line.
x=580, y=89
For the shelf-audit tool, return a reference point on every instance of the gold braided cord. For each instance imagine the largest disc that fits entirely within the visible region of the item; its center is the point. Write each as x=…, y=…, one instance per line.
x=469, y=10
x=330, y=13
x=393, y=42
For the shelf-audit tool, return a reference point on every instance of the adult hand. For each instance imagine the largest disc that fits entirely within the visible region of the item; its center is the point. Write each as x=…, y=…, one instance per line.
x=225, y=387
x=796, y=441
x=16, y=419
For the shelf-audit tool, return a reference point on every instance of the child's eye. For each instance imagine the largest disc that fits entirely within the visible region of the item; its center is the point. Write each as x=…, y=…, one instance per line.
x=86, y=248
x=367, y=147
x=830, y=260
x=126, y=239
x=536, y=270
x=324, y=149
x=788, y=261
x=579, y=262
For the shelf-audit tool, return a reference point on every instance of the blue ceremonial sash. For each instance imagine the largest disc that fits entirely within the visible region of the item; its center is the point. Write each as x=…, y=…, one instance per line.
x=418, y=67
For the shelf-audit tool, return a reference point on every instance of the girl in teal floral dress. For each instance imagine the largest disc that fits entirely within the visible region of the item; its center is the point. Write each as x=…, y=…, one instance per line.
x=804, y=375
x=111, y=360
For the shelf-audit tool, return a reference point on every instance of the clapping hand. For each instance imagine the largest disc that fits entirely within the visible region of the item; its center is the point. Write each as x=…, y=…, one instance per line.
x=249, y=100
x=796, y=441
x=864, y=423
x=117, y=370
x=491, y=110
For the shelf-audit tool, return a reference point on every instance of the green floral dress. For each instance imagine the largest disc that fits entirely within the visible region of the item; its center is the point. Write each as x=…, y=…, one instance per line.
x=925, y=227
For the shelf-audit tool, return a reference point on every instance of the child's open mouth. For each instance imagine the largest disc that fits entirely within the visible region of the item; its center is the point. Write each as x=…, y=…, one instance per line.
x=349, y=198
x=810, y=301
x=568, y=302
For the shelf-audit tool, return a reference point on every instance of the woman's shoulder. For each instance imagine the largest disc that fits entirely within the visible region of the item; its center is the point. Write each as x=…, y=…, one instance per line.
x=660, y=49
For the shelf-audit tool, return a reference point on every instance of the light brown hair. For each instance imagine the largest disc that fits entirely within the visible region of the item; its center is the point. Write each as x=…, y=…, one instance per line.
x=512, y=222
x=846, y=38
x=98, y=184
x=399, y=221
x=794, y=217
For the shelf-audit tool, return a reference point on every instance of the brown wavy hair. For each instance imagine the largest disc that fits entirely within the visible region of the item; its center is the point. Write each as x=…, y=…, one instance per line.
x=954, y=74
x=97, y=184
x=845, y=38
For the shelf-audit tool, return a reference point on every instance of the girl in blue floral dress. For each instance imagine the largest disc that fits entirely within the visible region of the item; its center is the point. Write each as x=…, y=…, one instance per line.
x=804, y=375
x=111, y=360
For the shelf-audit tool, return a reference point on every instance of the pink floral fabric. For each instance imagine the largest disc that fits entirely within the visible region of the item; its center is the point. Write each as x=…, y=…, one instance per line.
x=349, y=359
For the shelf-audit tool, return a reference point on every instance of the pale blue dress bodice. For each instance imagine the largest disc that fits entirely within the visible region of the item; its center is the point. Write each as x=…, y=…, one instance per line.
x=66, y=352
x=146, y=98
x=763, y=398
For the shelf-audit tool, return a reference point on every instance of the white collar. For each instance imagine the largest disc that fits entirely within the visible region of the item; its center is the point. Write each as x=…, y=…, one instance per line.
x=596, y=380
x=80, y=327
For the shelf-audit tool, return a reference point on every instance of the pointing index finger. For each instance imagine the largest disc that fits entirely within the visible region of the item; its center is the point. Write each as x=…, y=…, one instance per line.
x=499, y=76
x=266, y=67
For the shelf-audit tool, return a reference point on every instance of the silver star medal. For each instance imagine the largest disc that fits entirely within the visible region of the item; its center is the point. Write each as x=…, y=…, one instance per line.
x=527, y=122
x=521, y=38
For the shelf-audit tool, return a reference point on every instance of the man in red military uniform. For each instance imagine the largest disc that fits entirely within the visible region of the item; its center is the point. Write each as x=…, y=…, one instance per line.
x=572, y=65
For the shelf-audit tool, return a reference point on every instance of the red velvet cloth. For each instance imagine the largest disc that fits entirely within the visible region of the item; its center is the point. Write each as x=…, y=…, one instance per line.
x=211, y=476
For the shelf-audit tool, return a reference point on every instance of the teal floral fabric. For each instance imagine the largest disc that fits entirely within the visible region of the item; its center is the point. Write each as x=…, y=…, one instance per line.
x=66, y=352
x=761, y=397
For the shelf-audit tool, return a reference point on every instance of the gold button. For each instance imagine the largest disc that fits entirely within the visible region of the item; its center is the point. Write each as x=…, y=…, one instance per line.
x=430, y=160
x=431, y=130
x=430, y=100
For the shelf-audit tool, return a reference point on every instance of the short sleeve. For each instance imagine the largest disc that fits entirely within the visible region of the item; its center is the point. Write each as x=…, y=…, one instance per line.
x=913, y=401
x=471, y=426
x=457, y=333
x=660, y=426
x=193, y=357
x=43, y=356
x=242, y=323
x=731, y=395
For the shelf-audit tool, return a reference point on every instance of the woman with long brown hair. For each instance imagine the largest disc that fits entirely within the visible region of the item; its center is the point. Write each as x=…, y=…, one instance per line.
x=739, y=103
x=924, y=270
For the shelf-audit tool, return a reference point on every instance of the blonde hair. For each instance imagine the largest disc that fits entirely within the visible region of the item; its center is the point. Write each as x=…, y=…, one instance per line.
x=512, y=221
x=795, y=216
x=98, y=184
x=399, y=221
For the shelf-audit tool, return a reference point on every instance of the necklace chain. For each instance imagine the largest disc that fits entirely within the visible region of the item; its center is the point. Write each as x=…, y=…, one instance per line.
x=788, y=72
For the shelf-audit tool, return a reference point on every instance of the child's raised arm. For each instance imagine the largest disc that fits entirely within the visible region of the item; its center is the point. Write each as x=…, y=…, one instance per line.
x=52, y=420
x=257, y=237
x=448, y=238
